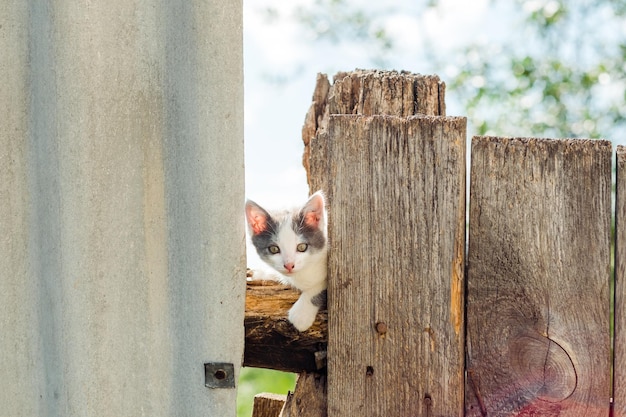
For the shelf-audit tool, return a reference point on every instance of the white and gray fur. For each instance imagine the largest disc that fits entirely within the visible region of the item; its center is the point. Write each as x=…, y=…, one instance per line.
x=294, y=244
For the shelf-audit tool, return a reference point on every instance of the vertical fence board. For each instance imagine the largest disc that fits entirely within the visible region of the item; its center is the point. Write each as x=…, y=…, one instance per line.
x=365, y=93
x=396, y=266
x=538, y=278
x=619, y=394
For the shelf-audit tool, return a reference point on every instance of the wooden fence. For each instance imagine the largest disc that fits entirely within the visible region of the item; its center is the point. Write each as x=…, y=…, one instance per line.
x=516, y=323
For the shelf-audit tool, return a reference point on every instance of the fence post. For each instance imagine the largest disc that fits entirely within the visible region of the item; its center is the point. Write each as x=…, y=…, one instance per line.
x=122, y=266
x=619, y=366
x=396, y=189
x=268, y=405
x=538, y=278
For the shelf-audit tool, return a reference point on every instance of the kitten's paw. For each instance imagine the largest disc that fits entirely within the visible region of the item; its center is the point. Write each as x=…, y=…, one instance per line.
x=262, y=274
x=302, y=314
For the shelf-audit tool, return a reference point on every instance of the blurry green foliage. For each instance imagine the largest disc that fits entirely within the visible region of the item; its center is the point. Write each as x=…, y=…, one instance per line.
x=566, y=77
x=559, y=72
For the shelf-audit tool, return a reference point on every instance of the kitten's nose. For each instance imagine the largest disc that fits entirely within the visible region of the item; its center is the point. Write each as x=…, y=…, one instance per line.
x=289, y=266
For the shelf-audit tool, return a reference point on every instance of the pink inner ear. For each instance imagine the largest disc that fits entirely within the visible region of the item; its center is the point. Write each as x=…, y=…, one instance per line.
x=312, y=219
x=258, y=224
x=257, y=219
x=313, y=211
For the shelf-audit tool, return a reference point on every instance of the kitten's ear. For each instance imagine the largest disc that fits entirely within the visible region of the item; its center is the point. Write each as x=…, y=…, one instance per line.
x=313, y=210
x=257, y=217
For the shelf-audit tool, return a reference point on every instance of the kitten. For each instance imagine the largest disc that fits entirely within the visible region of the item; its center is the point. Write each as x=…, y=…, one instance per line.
x=293, y=242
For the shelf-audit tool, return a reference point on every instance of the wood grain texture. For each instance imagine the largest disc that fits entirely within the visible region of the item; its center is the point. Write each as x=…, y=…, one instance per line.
x=619, y=394
x=271, y=341
x=366, y=93
x=538, y=314
x=308, y=398
x=371, y=92
x=314, y=118
x=268, y=405
x=396, y=262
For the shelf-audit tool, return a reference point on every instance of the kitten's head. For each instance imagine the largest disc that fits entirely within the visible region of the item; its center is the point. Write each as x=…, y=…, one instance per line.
x=290, y=240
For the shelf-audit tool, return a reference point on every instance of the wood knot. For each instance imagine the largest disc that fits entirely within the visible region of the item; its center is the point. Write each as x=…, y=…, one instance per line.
x=381, y=328
x=544, y=369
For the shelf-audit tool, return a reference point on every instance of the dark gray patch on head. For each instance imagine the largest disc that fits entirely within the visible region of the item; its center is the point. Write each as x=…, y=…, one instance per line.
x=319, y=300
x=312, y=236
x=266, y=238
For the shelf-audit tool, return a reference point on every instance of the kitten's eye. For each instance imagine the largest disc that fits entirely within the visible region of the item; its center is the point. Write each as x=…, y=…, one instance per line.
x=302, y=247
x=274, y=249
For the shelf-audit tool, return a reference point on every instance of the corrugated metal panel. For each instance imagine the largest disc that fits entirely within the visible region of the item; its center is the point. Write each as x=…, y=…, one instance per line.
x=122, y=255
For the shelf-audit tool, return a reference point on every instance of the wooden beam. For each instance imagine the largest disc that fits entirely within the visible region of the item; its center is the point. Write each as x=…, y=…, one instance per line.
x=271, y=341
x=538, y=313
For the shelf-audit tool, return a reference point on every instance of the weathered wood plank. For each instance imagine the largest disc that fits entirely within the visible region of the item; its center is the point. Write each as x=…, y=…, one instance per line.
x=371, y=92
x=268, y=405
x=396, y=262
x=366, y=93
x=619, y=394
x=538, y=278
x=308, y=398
x=313, y=119
x=271, y=341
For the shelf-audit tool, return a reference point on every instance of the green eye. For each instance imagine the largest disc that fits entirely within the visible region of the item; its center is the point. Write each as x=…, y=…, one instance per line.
x=302, y=247
x=274, y=249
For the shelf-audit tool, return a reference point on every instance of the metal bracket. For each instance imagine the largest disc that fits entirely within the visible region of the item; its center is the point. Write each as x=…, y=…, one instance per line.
x=219, y=375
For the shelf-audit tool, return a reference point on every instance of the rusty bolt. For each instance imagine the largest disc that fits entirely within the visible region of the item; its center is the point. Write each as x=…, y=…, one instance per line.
x=381, y=327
